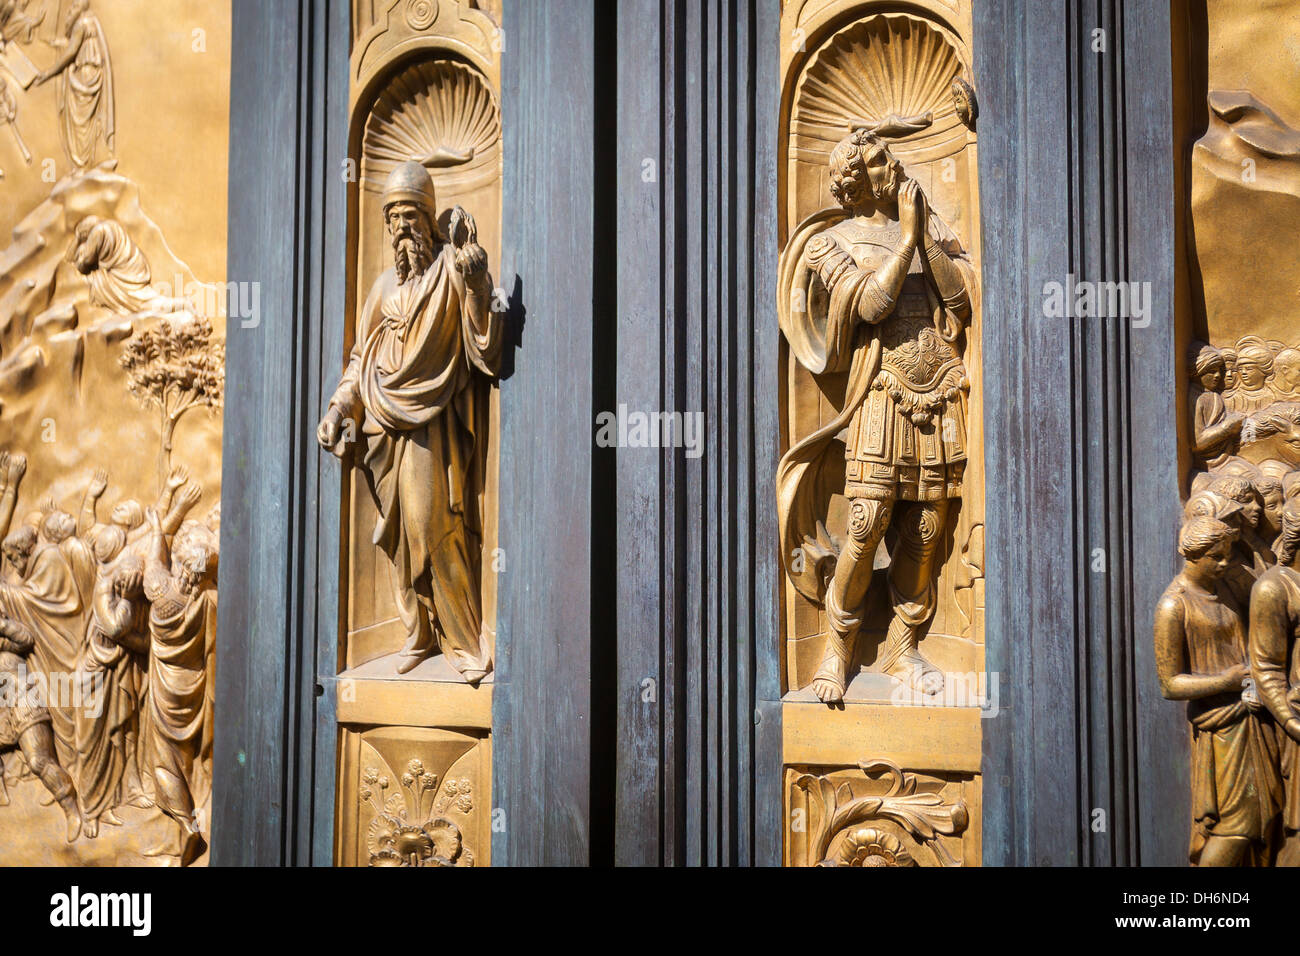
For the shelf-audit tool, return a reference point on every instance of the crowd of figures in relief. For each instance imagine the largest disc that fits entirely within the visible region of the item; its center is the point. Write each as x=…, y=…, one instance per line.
x=1225, y=626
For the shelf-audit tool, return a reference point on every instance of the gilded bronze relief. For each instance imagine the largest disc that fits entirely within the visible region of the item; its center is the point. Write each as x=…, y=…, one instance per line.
x=1225, y=626
x=112, y=378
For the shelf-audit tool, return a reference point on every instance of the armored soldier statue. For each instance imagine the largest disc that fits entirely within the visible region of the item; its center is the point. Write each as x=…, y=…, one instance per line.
x=882, y=292
x=427, y=343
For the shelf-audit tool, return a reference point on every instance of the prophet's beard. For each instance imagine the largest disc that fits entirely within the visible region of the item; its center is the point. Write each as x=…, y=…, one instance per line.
x=412, y=254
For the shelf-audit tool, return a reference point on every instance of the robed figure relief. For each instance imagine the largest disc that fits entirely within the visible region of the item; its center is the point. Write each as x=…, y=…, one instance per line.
x=426, y=345
x=85, y=85
x=881, y=291
x=1275, y=665
x=179, y=580
x=1201, y=657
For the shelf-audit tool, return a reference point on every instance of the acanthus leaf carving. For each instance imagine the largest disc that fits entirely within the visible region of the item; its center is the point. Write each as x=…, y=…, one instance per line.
x=923, y=815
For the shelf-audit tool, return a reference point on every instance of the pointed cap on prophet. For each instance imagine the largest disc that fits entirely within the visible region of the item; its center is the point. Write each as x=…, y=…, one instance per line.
x=410, y=182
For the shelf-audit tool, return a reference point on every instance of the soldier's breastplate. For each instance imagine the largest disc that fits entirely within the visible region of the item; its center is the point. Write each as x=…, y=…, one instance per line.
x=911, y=349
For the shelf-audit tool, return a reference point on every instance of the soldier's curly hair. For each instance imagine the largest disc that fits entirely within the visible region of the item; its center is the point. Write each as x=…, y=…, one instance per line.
x=848, y=169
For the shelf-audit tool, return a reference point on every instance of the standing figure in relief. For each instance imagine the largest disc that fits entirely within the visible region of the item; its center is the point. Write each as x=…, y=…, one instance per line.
x=181, y=590
x=52, y=601
x=1215, y=430
x=25, y=721
x=113, y=662
x=115, y=655
x=427, y=344
x=85, y=84
x=1201, y=657
x=1274, y=626
x=25, y=724
x=63, y=553
x=884, y=295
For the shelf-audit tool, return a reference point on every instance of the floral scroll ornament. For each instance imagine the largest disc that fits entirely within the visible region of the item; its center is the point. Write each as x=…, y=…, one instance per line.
x=924, y=816
x=394, y=839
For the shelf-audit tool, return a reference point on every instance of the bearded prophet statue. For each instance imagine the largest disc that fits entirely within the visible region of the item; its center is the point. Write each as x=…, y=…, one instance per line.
x=426, y=346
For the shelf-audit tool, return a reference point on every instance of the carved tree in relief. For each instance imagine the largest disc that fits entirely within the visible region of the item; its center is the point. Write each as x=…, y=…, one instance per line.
x=878, y=290
x=175, y=366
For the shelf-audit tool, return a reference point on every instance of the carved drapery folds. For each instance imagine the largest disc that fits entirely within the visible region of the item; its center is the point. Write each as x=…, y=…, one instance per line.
x=880, y=488
x=1225, y=626
x=414, y=417
x=111, y=387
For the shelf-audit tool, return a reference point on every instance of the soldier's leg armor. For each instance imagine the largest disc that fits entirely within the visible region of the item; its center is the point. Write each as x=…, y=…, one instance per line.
x=912, y=593
x=846, y=597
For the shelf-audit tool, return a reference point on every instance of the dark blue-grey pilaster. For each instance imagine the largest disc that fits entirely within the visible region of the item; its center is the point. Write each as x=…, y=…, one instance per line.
x=275, y=743
x=542, y=700
x=698, y=692
x=1085, y=764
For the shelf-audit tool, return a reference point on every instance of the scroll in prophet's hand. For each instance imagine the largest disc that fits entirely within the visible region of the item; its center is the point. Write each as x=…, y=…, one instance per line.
x=471, y=259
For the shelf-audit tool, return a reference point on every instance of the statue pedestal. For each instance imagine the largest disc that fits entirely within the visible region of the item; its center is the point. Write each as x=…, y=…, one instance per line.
x=427, y=734
x=838, y=760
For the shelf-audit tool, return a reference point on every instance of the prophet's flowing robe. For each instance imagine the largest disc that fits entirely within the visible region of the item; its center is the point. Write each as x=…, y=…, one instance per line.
x=418, y=343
